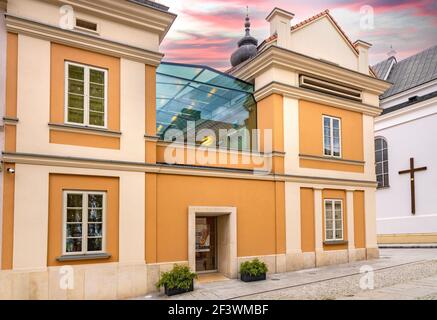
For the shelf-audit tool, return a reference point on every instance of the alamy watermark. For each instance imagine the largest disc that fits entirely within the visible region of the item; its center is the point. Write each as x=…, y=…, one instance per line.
x=367, y=281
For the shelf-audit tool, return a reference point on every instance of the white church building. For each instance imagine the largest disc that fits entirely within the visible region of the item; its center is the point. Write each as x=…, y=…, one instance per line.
x=406, y=150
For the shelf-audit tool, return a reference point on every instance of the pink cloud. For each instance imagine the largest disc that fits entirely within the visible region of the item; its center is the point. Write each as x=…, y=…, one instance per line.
x=407, y=25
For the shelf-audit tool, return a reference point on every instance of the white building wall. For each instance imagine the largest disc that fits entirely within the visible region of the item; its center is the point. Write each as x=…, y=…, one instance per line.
x=411, y=134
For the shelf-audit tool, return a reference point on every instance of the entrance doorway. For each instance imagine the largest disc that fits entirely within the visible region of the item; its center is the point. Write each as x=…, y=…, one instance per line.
x=212, y=240
x=206, y=244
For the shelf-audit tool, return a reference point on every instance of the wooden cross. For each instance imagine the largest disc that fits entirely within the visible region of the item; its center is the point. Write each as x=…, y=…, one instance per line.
x=411, y=172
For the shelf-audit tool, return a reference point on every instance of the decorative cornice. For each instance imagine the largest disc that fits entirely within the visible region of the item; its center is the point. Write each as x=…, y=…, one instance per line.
x=151, y=138
x=314, y=96
x=86, y=130
x=10, y=120
x=125, y=12
x=275, y=56
x=75, y=162
x=81, y=40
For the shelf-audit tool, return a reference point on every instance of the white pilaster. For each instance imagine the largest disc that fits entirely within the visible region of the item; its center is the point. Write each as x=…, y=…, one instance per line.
x=292, y=218
x=318, y=222
x=350, y=219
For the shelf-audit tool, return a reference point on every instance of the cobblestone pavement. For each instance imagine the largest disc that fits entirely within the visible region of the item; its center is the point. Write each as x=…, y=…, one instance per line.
x=398, y=274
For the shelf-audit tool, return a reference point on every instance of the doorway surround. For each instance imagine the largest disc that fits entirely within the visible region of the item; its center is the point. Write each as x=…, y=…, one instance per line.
x=227, y=237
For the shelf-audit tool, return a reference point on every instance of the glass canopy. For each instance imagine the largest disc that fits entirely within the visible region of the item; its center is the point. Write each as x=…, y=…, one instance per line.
x=207, y=99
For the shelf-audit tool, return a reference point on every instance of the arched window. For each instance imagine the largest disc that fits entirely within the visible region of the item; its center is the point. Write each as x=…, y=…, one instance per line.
x=381, y=162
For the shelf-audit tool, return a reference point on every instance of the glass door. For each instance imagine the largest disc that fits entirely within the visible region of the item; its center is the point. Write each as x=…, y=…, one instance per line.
x=206, y=244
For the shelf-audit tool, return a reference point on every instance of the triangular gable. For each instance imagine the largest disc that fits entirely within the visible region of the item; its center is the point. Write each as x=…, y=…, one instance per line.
x=321, y=15
x=322, y=38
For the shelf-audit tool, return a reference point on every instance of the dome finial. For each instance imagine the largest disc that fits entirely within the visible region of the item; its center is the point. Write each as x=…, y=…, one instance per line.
x=247, y=46
x=247, y=24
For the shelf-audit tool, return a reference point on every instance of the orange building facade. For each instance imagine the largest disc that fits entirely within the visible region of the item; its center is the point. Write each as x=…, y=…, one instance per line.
x=88, y=190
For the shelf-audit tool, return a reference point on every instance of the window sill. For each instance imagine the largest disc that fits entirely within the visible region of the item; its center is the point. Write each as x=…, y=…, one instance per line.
x=79, y=257
x=84, y=129
x=335, y=242
x=331, y=159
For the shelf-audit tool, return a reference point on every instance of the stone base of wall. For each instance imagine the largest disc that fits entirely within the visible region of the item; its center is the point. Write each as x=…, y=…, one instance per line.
x=120, y=281
x=94, y=281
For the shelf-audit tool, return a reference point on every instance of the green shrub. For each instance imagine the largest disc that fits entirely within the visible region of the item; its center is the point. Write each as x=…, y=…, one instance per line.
x=179, y=277
x=253, y=268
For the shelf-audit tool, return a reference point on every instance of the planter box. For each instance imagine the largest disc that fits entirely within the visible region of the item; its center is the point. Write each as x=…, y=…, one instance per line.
x=249, y=278
x=174, y=291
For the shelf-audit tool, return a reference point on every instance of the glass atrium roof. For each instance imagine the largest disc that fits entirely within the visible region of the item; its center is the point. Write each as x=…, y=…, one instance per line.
x=212, y=99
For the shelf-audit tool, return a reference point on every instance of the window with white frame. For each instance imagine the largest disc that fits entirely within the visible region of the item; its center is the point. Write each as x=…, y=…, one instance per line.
x=84, y=222
x=85, y=95
x=381, y=162
x=331, y=136
x=333, y=220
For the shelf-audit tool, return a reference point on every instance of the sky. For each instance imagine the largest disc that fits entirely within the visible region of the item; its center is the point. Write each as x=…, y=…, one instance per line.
x=206, y=31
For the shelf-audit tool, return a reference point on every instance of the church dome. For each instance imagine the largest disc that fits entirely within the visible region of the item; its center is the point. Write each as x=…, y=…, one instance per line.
x=247, y=46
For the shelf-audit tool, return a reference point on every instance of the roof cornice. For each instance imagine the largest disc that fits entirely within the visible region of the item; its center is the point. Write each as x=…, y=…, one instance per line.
x=287, y=59
x=314, y=96
x=125, y=12
x=81, y=40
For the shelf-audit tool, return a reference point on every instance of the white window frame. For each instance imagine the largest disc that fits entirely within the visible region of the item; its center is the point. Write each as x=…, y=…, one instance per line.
x=86, y=106
x=331, y=132
x=84, y=222
x=333, y=201
x=385, y=184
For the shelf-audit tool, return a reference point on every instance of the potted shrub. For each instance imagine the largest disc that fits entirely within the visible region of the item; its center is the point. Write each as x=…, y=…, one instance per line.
x=254, y=270
x=178, y=280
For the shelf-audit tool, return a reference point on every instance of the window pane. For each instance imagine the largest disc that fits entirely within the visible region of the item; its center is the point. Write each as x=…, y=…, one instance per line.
x=75, y=115
x=380, y=181
x=327, y=131
x=326, y=122
x=75, y=72
x=95, y=230
x=378, y=156
x=337, y=214
x=95, y=215
x=97, y=90
x=75, y=101
x=384, y=144
x=75, y=86
x=74, y=245
x=74, y=215
x=329, y=234
x=386, y=184
x=97, y=118
x=336, y=147
x=385, y=166
x=97, y=104
x=97, y=76
x=95, y=201
x=95, y=244
x=329, y=224
x=378, y=144
x=385, y=155
x=336, y=124
x=338, y=206
x=74, y=230
x=379, y=168
x=338, y=234
x=74, y=200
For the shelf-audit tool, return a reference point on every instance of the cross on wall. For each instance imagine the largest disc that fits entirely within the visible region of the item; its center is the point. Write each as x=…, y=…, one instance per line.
x=411, y=171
